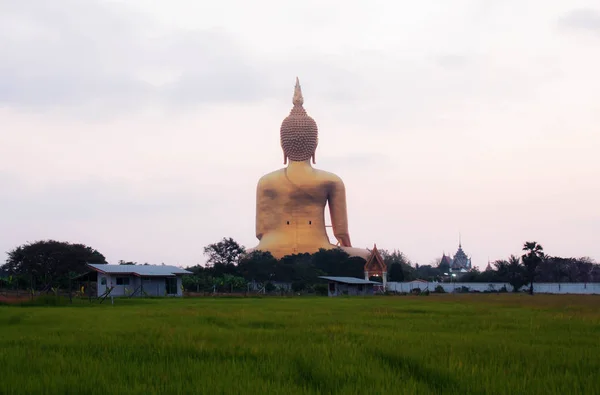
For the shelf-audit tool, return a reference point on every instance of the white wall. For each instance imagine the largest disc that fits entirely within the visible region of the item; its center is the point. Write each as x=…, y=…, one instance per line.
x=119, y=290
x=551, y=288
x=155, y=286
x=152, y=286
x=350, y=289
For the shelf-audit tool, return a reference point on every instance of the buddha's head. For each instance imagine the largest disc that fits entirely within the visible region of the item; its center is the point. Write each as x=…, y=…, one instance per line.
x=299, y=133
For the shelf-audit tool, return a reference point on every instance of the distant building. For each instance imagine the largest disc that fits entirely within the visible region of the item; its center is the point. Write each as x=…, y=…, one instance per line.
x=133, y=280
x=349, y=286
x=460, y=263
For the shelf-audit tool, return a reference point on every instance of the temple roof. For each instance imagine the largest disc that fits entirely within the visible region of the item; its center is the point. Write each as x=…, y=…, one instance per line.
x=375, y=261
x=446, y=259
x=460, y=259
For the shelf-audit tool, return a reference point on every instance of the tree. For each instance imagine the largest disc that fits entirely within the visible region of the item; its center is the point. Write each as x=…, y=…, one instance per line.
x=224, y=255
x=257, y=266
x=395, y=272
x=427, y=272
x=557, y=269
x=298, y=286
x=396, y=256
x=355, y=267
x=471, y=276
x=398, y=265
x=48, y=263
x=230, y=283
x=269, y=287
x=515, y=273
x=586, y=267
x=301, y=270
x=554, y=269
x=122, y=262
x=337, y=262
x=443, y=266
x=501, y=267
x=534, y=255
x=488, y=276
x=191, y=283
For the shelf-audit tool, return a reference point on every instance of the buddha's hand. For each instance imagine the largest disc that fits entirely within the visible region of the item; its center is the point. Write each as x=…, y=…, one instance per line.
x=344, y=240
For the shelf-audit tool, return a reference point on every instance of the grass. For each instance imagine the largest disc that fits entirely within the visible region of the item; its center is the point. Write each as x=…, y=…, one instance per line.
x=447, y=344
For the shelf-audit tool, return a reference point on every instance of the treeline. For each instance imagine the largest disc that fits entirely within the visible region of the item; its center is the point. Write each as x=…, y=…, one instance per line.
x=43, y=265
x=229, y=268
x=533, y=266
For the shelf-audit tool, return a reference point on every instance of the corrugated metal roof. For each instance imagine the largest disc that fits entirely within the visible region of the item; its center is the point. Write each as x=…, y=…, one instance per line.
x=349, y=280
x=140, y=270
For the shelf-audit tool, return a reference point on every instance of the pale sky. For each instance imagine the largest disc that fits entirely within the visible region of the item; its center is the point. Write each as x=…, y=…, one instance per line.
x=141, y=127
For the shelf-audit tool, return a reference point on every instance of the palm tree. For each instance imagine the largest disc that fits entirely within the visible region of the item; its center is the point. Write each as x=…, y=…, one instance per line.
x=515, y=273
x=531, y=259
x=502, y=269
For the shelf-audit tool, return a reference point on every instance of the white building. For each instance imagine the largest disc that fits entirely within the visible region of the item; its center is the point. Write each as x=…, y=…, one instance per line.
x=349, y=286
x=134, y=280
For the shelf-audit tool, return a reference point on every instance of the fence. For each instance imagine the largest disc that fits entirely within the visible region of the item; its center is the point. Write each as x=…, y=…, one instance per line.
x=548, y=288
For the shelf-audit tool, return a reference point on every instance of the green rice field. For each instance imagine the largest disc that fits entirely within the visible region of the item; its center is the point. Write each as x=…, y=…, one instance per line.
x=437, y=344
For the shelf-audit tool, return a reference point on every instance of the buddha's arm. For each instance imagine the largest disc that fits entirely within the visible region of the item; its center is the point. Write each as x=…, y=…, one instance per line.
x=339, y=215
x=260, y=202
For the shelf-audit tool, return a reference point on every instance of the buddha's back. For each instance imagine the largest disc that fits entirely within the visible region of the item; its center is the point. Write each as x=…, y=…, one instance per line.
x=290, y=214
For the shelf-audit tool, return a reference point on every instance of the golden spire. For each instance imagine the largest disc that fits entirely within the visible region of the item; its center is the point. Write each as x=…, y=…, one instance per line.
x=298, y=100
x=299, y=134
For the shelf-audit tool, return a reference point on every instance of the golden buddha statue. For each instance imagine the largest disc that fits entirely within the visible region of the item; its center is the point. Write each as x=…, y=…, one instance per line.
x=290, y=202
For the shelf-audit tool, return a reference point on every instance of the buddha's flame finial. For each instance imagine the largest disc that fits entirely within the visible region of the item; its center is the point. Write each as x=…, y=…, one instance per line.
x=299, y=133
x=298, y=99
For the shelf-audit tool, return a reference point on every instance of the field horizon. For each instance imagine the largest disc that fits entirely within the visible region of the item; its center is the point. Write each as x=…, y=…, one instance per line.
x=436, y=344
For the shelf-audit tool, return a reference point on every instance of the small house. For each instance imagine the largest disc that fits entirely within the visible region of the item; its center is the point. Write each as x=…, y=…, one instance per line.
x=349, y=286
x=135, y=280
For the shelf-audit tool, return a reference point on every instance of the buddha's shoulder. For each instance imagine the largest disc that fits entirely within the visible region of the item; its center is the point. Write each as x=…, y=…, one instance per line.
x=328, y=176
x=276, y=176
x=273, y=176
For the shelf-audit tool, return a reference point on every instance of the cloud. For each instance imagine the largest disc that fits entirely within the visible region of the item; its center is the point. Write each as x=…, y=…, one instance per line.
x=355, y=162
x=96, y=199
x=582, y=19
x=101, y=59
x=62, y=54
x=73, y=53
x=452, y=61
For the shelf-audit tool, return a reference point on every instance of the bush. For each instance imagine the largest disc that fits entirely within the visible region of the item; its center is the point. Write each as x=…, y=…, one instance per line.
x=298, y=286
x=320, y=289
x=439, y=290
x=269, y=287
x=415, y=291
